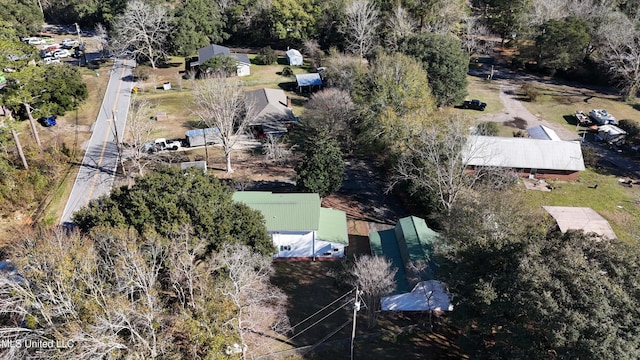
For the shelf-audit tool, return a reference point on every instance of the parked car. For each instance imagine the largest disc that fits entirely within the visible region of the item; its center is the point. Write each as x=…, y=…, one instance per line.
x=70, y=42
x=34, y=40
x=48, y=121
x=474, y=104
x=61, y=53
x=51, y=60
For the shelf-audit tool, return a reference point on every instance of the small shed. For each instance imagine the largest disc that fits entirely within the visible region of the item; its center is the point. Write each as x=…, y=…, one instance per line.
x=308, y=81
x=294, y=58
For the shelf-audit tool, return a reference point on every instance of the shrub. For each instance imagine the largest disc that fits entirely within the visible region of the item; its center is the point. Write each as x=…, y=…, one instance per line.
x=266, y=56
x=530, y=91
x=287, y=71
x=141, y=73
x=631, y=127
x=488, y=128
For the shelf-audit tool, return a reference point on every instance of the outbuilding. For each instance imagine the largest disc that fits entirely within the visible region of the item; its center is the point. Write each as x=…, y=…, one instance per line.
x=308, y=82
x=294, y=58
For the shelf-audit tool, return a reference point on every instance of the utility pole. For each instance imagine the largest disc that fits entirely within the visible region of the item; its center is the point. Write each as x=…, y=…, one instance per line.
x=118, y=144
x=356, y=308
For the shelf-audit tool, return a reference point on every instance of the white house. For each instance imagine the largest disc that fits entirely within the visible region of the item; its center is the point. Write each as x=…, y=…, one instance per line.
x=243, y=66
x=298, y=226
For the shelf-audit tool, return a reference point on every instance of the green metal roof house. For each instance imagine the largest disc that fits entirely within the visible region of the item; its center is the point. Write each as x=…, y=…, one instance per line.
x=298, y=226
x=410, y=241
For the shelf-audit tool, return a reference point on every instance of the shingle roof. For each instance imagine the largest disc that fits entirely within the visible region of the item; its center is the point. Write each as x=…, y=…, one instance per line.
x=210, y=51
x=284, y=212
x=523, y=153
x=271, y=105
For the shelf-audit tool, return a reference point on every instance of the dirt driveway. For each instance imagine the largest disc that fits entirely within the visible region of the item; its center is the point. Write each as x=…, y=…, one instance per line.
x=513, y=108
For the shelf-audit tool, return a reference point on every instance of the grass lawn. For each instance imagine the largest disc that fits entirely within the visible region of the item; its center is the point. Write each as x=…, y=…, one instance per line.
x=485, y=91
x=558, y=104
x=616, y=203
x=177, y=101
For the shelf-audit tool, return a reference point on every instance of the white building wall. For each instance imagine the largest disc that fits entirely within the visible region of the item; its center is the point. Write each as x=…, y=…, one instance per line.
x=301, y=244
x=243, y=70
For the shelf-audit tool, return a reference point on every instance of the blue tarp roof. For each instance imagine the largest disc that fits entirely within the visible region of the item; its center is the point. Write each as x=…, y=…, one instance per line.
x=309, y=79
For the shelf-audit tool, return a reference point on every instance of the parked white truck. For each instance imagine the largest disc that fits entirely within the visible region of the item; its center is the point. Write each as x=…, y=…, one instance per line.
x=163, y=144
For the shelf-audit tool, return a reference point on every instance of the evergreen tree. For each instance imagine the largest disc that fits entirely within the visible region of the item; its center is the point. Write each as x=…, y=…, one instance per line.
x=322, y=168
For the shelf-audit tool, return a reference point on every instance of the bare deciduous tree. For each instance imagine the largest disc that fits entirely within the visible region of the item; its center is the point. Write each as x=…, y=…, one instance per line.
x=276, y=150
x=621, y=51
x=331, y=110
x=399, y=26
x=139, y=127
x=476, y=36
x=141, y=31
x=220, y=103
x=312, y=49
x=434, y=160
x=361, y=25
x=259, y=307
x=374, y=276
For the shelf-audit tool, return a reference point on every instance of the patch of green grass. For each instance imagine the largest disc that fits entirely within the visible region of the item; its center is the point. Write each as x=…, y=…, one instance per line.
x=559, y=103
x=486, y=91
x=616, y=203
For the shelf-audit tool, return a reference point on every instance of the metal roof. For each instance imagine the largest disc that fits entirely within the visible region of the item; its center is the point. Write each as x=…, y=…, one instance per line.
x=523, y=153
x=580, y=218
x=384, y=243
x=417, y=238
x=543, y=133
x=271, y=105
x=293, y=52
x=284, y=212
x=333, y=226
x=312, y=79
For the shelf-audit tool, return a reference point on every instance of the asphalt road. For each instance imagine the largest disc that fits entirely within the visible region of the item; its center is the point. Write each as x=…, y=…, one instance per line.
x=98, y=168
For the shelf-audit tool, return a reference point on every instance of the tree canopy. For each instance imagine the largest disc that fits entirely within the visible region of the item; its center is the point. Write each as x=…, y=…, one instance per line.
x=322, y=168
x=197, y=23
x=169, y=201
x=445, y=63
x=523, y=292
x=562, y=43
x=23, y=16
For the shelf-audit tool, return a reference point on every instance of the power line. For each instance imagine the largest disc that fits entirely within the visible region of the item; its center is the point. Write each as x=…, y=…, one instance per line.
x=316, y=313
x=315, y=323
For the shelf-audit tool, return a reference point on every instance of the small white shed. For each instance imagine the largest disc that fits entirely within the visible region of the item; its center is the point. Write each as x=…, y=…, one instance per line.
x=294, y=58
